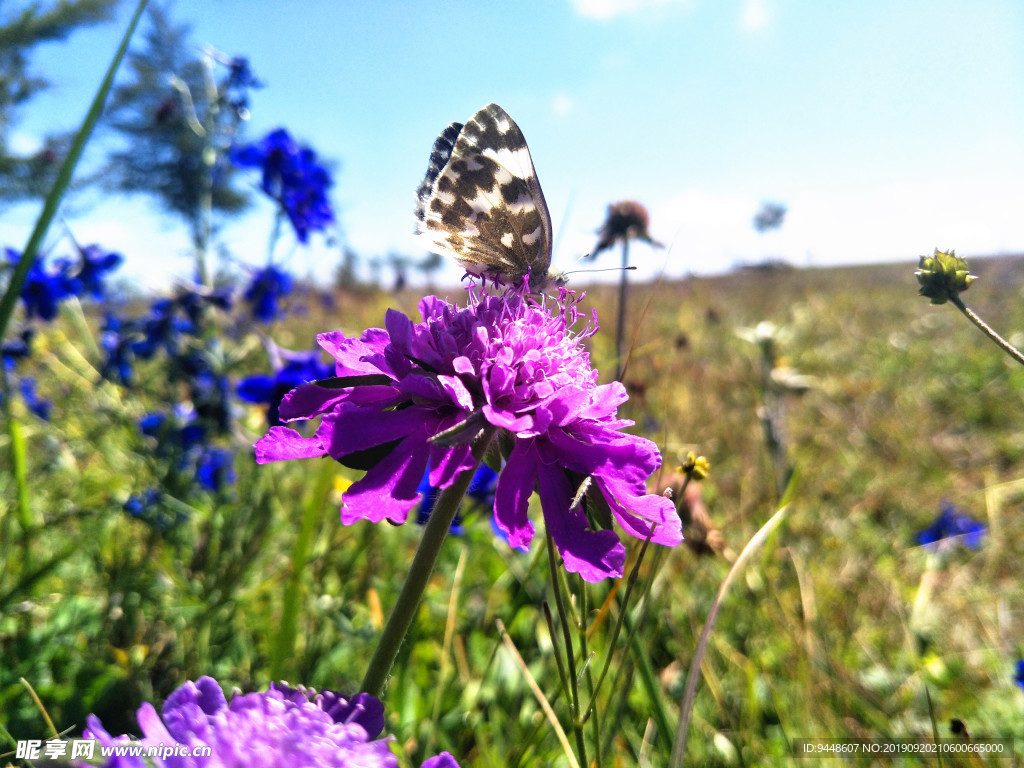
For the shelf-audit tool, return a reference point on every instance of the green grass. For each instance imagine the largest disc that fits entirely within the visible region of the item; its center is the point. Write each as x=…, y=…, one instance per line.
x=836, y=628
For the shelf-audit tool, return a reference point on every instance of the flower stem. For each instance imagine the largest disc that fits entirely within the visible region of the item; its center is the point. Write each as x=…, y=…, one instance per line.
x=985, y=328
x=620, y=328
x=423, y=562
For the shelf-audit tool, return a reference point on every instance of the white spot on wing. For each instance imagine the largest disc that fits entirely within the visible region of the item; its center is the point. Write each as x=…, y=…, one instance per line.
x=507, y=239
x=531, y=238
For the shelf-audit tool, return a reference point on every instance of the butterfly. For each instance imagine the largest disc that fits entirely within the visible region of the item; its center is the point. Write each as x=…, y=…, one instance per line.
x=481, y=203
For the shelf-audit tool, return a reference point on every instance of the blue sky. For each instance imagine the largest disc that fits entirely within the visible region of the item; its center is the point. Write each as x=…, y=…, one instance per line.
x=887, y=127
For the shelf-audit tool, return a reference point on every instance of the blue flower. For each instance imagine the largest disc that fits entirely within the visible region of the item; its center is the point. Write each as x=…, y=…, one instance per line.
x=268, y=285
x=162, y=329
x=136, y=505
x=37, y=405
x=293, y=177
x=147, y=508
x=1018, y=677
x=93, y=268
x=179, y=436
x=17, y=349
x=215, y=469
x=297, y=368
x=43, y=290
x=118, y=348
x=953, y=524
x=481, y=489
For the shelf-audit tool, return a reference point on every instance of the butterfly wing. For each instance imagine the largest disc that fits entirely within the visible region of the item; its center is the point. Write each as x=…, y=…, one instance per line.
x=481, y=203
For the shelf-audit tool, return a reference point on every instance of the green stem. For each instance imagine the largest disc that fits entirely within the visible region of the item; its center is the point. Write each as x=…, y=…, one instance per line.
x=423, y=562
x=52, y=202
x=570, y=655
x=620, y=329
x=283, y=647
x=985, y=328
x=19, y=464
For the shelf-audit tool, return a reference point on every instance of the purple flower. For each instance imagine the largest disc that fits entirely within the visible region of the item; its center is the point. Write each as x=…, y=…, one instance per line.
x=953, y=524
x=294, y=178
x=1018, y=676
x=282, y=727
x=413, y=393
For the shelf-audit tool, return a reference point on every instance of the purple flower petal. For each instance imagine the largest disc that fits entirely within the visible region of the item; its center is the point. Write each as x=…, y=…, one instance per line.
x=282, y=443
x=594, y=555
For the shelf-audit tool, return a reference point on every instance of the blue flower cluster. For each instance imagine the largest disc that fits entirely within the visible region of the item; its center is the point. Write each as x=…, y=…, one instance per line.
x=235, y=87
x=293, y=176
x=291, y=370
x=13, y=352
x=169, y=322
x=177, y=330
x=184, y=437
x=952, y=525
x=46, y=287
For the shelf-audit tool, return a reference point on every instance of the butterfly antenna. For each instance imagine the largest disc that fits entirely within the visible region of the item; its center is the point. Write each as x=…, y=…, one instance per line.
x=603, y=269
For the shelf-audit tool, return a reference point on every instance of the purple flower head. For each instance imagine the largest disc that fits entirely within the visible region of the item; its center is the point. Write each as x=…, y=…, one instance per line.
x=298, y=728
x=503, y=367
x=293, y=176
x=952, y=525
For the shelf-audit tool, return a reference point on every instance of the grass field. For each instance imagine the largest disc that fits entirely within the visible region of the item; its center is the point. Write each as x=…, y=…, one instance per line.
x=840, y=626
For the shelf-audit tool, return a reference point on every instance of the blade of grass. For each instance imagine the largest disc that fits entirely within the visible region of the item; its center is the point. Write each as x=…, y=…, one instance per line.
x=283, y=644
x=52, y=202
x=686, y=709
x=549, y=713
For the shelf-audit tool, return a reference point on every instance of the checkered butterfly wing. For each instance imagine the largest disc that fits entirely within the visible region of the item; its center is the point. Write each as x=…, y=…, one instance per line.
x=481, y=203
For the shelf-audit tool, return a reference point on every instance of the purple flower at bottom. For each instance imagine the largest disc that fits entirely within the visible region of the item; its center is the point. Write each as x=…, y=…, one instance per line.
x=413, y=393
x=298, y=728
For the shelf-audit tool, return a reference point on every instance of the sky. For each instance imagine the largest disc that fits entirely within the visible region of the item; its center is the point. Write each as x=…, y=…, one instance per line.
x=886, y=127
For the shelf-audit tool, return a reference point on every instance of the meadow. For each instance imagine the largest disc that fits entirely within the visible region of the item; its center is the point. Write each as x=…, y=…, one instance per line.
x=841, y=626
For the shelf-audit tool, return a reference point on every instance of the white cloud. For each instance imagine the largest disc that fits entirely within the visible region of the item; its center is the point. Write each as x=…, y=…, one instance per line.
x=561, y=104
x=21, y=143
x=755, y=15
x=606, y=9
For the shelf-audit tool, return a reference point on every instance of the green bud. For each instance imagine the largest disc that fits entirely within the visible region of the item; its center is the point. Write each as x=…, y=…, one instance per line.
x=943, y=276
